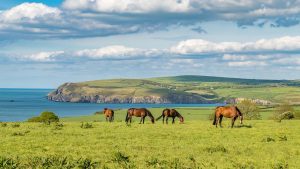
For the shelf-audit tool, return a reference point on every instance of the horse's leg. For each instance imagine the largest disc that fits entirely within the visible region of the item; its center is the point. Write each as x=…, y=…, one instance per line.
x=217, y=121
x=141, y=120
x=130, y=118
x=106, y=118
x=233, y=120
x=163, y=119
x=144, y=119
x=167, y=120
x=220, y=121
x=173, y=121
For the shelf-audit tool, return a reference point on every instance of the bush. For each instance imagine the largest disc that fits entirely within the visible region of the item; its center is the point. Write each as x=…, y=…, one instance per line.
x=86, y=125
x=45, y=117
x=15, y=125
x=3, y=124
x=284, y=111
x=249, y=109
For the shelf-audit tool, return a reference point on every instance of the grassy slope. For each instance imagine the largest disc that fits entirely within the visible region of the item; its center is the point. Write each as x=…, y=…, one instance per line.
x=211, y=88
x=190, y=145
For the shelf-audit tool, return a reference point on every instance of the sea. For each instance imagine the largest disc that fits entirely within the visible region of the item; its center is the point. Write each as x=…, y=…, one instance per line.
x=21, y=104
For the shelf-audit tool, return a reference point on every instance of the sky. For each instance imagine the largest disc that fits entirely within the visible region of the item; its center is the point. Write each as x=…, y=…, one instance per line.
x=46, y=43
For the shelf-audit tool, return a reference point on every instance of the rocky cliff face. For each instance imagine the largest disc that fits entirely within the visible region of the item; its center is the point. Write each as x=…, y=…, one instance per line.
x=71, y=92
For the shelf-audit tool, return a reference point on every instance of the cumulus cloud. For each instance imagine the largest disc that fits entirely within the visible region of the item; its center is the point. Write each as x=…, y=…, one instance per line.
x=282, y=51
x=246, y=64
x=89, y=18
x=199, y=46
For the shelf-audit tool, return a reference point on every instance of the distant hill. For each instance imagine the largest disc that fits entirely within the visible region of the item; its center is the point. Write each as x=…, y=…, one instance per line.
x=178, y=89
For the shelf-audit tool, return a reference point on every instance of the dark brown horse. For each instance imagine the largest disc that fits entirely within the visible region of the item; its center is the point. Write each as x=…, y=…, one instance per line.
x=166, y=113
x=141, y=112
x=227, y=111
x=108, y=114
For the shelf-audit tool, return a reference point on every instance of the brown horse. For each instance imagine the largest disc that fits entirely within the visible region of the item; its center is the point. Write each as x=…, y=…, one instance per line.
x=229, y=112
x=141, y=112
x=108, y=114
x=170, y=113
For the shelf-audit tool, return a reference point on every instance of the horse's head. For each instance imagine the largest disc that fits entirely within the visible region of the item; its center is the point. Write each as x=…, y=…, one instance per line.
x=152, y=120
x=181, y=119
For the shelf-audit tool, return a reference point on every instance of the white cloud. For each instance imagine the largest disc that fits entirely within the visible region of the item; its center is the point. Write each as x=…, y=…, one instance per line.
x=129, y=6
x=42, y=56
x=90, y=18
x=246, y=64
x=118, y=52
x=29, y=12
x=199, y=46
x=266, y=52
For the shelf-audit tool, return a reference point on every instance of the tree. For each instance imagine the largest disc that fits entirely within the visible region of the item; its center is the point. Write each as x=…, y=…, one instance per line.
x=249, y=109
x=45, y=117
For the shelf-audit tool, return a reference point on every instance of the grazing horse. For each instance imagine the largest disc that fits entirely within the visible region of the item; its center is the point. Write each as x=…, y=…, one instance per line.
x=229, y=112
x=141, y=112
x=170, y=113
x=108, y=114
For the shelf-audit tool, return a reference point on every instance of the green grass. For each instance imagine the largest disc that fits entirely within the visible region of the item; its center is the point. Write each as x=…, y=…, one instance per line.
x=257, y=144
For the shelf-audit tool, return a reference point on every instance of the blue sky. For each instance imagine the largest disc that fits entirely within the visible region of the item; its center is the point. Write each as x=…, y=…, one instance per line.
x=46, y=43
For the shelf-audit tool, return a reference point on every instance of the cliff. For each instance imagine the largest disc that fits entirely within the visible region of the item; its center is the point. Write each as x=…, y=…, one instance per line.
x=178, y=89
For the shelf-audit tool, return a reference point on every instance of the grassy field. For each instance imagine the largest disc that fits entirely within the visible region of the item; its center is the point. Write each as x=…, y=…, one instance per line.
x=194, y=144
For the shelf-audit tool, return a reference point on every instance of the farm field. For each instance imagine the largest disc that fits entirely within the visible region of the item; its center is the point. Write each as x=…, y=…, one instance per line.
x=194, y=144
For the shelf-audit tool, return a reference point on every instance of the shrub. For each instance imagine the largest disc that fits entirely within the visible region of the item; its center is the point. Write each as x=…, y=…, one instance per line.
x=18, y=134
x=15, y=125
x=249, y=109
x=86, y=163
x=283, y=111
x=120, y=157
x=86, y=125
x=218, y=148
x=3, y=124
x=45, y=117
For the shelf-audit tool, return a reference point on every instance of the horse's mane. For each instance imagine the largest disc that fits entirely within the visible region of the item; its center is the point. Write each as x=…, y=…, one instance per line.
x=148, y=113
x=178, y=114
x=238, y=110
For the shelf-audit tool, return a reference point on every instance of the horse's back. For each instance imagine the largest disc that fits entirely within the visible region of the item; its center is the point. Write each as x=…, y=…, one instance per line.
x=227, y=111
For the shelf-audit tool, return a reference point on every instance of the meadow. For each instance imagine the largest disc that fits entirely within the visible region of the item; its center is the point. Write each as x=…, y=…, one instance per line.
x=89, y=142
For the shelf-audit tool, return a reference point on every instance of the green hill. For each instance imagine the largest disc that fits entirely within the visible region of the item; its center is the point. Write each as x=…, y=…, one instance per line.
x=178, y=89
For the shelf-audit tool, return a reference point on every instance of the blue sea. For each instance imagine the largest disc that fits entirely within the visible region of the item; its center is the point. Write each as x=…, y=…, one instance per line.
x=21, y=104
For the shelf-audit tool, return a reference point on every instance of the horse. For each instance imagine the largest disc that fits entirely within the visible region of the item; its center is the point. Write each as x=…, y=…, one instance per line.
x=232, y=112
x=138, y=112
x=170, y=113
x=108, y=114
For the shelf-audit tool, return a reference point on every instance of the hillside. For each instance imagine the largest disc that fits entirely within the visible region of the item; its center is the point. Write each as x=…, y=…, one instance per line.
x=178, y=89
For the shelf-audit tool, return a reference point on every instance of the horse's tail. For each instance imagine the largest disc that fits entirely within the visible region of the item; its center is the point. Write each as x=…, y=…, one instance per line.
x=239, y=111
x=159, y=117
x=240, y=114
x=215, y=118
x=150, y=115
x=126, y=118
